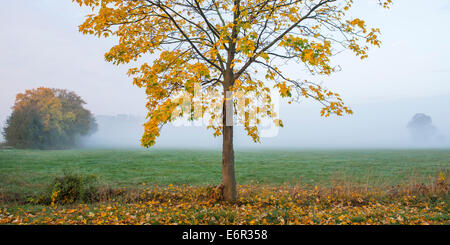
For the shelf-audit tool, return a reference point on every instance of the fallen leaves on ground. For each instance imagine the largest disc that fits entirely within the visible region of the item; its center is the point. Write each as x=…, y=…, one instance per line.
x=256, y=205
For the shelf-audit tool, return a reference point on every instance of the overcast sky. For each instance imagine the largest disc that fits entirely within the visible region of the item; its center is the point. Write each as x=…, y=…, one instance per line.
x=40, y=46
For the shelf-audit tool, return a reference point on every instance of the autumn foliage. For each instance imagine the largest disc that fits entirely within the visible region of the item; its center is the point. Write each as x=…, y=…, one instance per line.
x=205, y=47
x=46, y=118
x=341, y=204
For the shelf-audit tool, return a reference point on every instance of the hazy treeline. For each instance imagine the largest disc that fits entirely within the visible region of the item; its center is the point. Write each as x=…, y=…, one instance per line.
x=116, y=131
x=379, y=125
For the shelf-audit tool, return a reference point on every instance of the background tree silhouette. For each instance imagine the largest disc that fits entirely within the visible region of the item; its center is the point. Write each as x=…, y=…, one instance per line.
x=46, y=118
x=421, y=128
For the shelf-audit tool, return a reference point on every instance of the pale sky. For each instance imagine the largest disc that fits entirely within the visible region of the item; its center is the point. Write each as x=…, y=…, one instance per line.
x=40, y=46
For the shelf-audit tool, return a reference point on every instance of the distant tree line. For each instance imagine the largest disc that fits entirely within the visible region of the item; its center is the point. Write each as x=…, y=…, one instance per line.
x=46, y=118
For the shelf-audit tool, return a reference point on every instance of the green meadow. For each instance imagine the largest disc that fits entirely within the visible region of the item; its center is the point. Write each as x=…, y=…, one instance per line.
x=27, y=172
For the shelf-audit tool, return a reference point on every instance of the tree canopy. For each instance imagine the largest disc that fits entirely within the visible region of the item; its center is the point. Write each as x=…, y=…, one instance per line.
x=45, y=118
x=202, y=43
x=421, y=128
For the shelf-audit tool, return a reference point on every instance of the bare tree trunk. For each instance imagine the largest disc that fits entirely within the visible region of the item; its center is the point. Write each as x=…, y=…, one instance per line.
x=228, y=177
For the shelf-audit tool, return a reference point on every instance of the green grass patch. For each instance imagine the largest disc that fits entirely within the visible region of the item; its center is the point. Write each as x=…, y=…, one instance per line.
x=30, y=171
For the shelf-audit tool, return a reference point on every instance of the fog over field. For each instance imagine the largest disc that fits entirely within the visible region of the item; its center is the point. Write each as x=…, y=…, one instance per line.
x=374, y=125
x=410, y=73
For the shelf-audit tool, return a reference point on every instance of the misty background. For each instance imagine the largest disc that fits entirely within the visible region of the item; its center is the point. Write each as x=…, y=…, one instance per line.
x=374, y=125
x=410, y=73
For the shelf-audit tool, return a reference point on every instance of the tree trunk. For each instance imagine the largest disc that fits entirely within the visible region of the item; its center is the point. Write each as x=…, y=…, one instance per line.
x=228, y=177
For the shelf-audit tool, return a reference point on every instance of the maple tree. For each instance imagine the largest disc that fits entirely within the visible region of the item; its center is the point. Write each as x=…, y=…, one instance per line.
x=209, y=52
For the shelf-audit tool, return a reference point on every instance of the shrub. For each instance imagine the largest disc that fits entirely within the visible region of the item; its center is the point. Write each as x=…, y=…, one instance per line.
x=70, y=188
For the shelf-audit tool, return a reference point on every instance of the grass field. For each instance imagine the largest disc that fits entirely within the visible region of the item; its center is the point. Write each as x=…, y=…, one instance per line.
x=28, y=171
